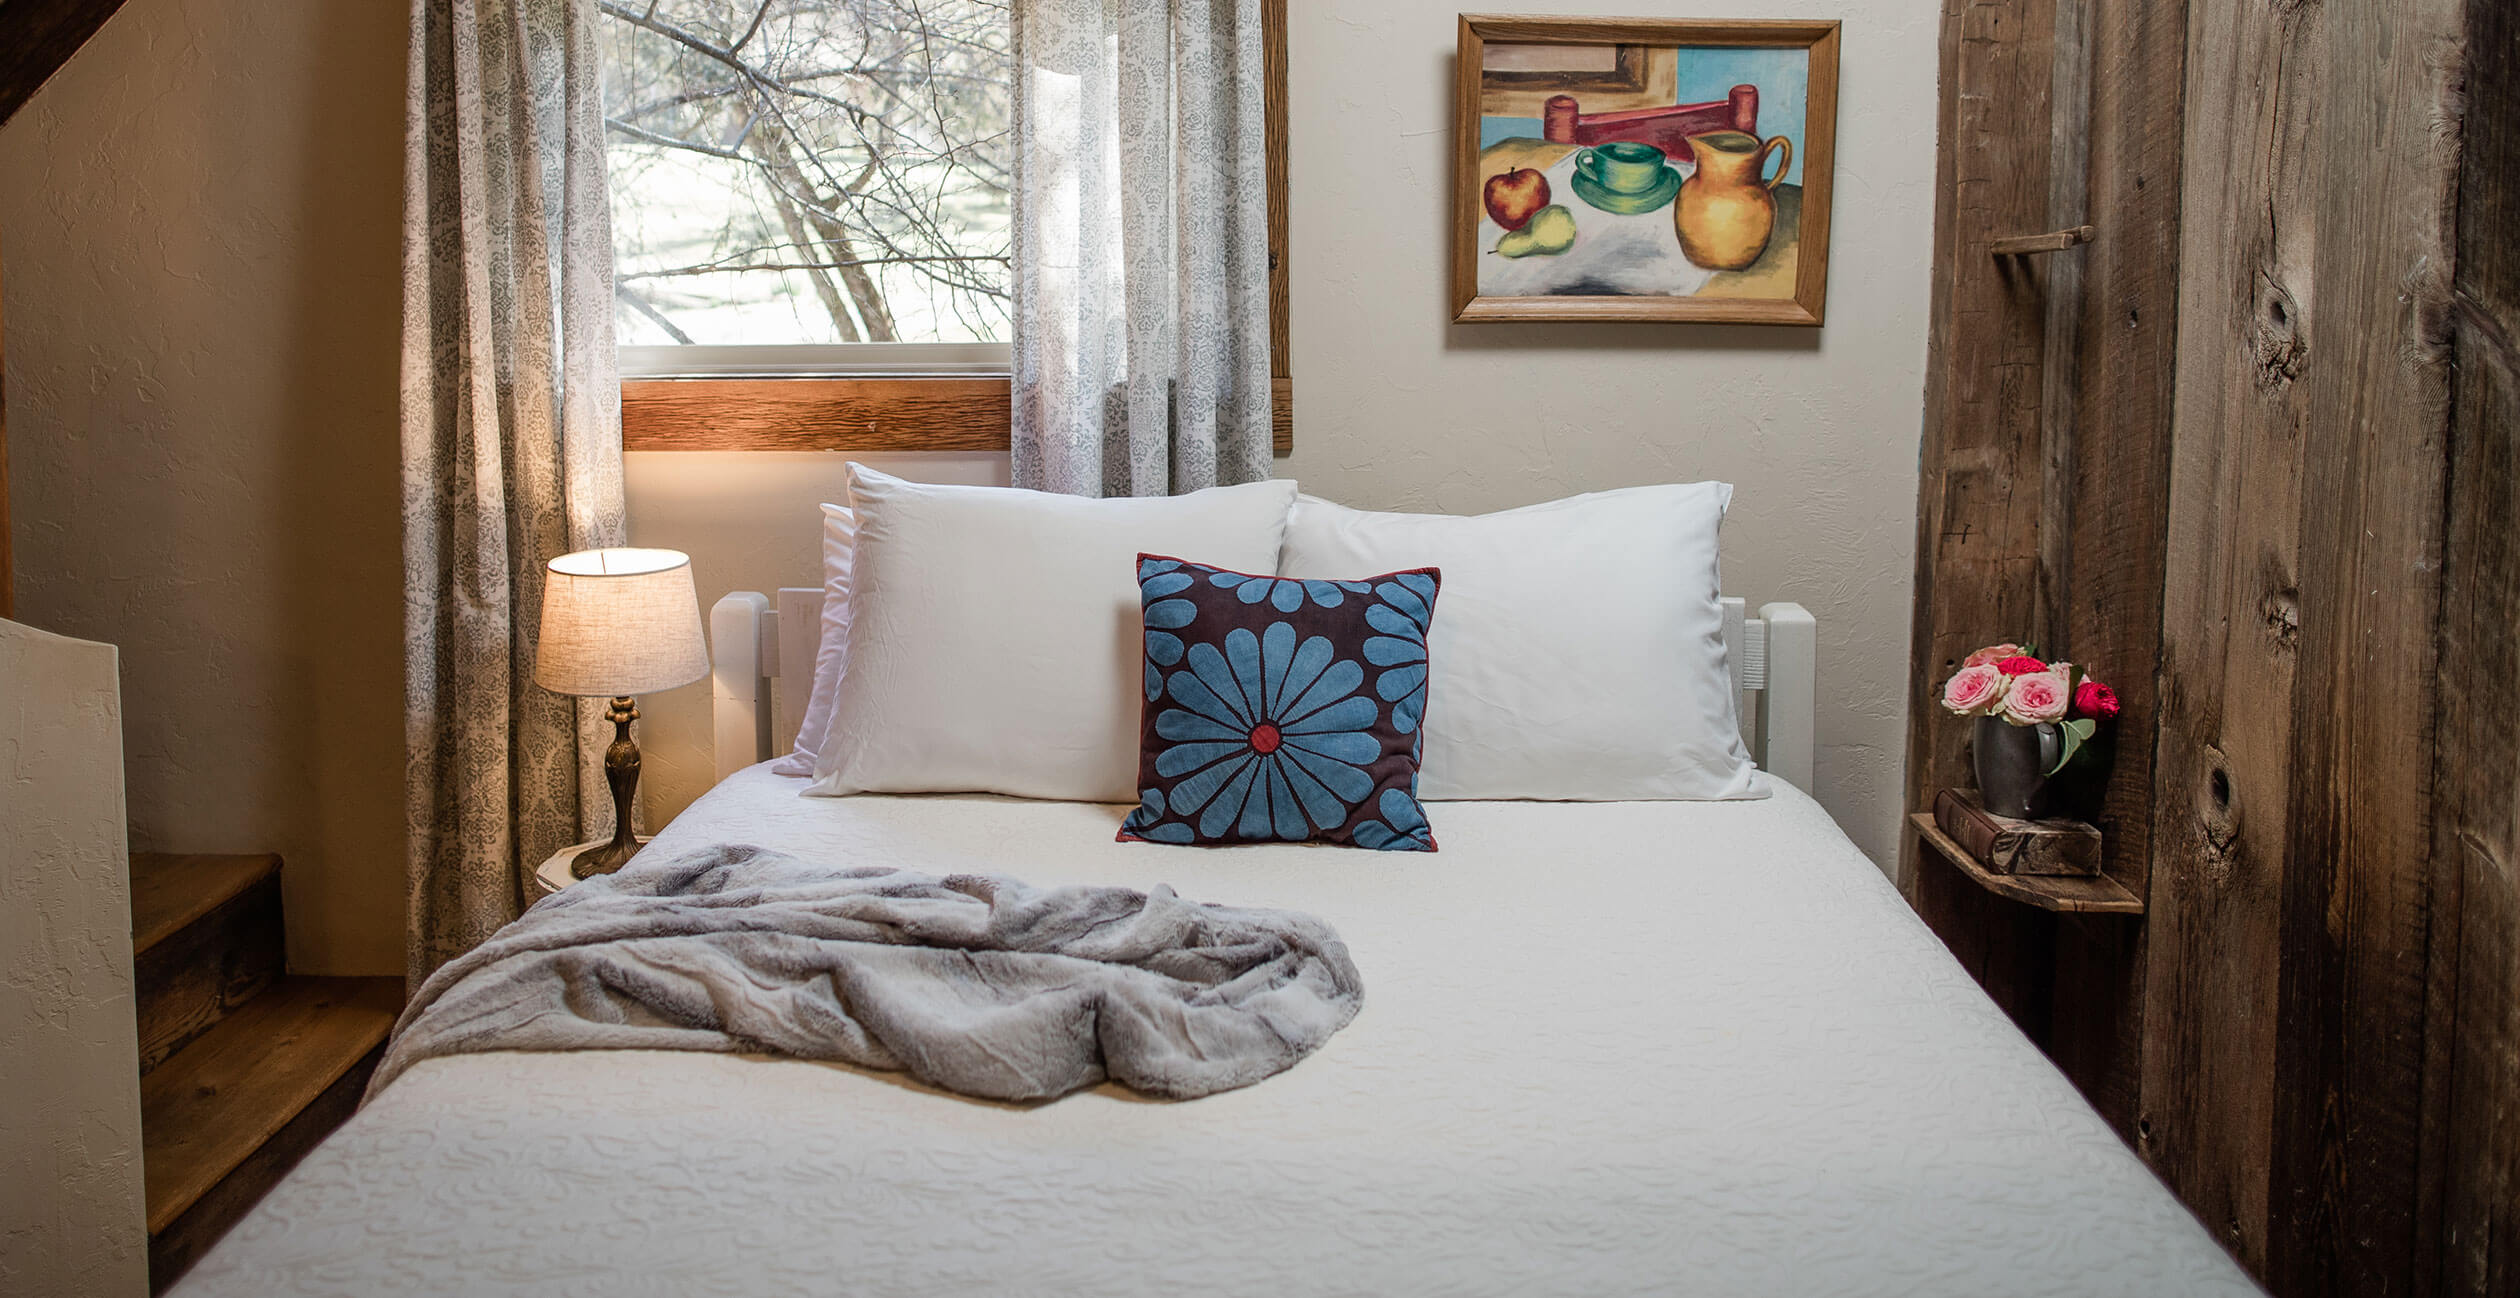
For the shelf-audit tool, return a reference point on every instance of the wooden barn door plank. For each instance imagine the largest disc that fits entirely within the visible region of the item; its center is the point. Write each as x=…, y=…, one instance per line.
x=1981, y=488
x=2291, y=904
x=2229, y=623
x=2468, y=1218
x=1982, y=483
x=2375, y=372
x=2109, y=493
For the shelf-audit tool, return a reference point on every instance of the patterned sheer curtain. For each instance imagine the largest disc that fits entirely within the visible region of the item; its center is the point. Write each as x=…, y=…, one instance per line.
x=511, y=431
x=1141, y=246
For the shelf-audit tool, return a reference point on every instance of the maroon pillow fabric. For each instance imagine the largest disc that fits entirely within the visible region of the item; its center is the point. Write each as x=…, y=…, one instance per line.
x=1281, y=709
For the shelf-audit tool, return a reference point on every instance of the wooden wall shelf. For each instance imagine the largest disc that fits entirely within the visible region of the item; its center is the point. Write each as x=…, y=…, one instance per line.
x=2071, y=894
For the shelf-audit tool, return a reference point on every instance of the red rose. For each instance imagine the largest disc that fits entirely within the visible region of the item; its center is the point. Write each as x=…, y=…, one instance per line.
x=2020, y=665
x=2093, y=699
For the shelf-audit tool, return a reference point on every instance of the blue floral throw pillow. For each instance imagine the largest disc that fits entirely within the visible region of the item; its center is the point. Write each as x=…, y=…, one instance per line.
x=1282, y=710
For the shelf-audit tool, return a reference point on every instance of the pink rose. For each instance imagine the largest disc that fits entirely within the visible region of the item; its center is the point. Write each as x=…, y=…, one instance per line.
x=2020, y=665
x=2093, y=699
x=2036, y=697
x=1993, y=653
x=1974, y=691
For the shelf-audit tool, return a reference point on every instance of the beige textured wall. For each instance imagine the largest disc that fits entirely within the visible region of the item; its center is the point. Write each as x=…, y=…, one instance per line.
x=1397, y=408
x=750, y=521
x=1817, y=429
x=71, y=1220
x=199, y=216
x=199, y=220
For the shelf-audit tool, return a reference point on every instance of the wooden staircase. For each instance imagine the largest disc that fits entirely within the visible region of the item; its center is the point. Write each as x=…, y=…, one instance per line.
x=243, y=1067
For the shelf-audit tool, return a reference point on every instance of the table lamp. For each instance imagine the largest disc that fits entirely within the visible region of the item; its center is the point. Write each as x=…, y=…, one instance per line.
x=618, y=623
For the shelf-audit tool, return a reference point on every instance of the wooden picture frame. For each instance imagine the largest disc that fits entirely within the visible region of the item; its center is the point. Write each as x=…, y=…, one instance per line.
x=1662, y=249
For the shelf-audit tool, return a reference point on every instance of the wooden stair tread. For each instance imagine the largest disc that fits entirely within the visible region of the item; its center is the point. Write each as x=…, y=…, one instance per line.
x=170, y=890
x=214, y=1102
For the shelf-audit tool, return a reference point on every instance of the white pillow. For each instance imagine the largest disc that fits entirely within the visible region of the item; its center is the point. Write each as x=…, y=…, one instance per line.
x=994, y=637
x=839, y=554
x=1579, y=650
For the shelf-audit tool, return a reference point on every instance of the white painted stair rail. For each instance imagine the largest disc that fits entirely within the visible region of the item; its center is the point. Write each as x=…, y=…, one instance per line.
x=762, y=659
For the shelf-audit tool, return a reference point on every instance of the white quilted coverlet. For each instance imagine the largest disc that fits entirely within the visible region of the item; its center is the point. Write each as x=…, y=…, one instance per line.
x=1607, y=1048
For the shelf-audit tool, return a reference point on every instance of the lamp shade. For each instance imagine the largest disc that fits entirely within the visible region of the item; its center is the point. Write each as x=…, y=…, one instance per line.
x=618, y=622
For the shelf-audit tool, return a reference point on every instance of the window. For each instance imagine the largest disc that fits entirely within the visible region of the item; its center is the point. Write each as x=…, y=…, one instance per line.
x=810, y=221
x=808, y=171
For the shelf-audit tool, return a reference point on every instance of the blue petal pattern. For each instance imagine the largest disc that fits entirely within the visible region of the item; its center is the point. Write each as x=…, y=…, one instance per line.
x=1157, y=580
x=1403, y=827
x=1269, y=719
x=1287, y=594
x=1150, y=810
x=1406, y=610
x=1271, y=736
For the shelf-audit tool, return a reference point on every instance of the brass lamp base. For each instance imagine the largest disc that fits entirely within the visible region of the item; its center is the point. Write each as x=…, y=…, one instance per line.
x=621, y=771
x=603, y=858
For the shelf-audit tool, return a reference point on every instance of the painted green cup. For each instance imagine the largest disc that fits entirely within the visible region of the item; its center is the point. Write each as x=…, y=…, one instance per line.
x=1622, y=166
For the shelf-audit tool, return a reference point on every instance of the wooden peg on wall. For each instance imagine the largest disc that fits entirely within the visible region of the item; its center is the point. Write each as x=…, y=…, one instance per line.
x=2021, y=245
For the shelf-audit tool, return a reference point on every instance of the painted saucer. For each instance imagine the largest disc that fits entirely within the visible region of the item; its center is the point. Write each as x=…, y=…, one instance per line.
x=1625, y=204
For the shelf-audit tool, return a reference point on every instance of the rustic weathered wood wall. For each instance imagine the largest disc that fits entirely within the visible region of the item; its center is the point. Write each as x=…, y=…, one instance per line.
x=2251, y=457
x=2048, y=398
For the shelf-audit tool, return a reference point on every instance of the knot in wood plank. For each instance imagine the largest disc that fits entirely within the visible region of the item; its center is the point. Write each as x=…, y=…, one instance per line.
x=2277, y=346
x=2279, y=606
x=2217, y=811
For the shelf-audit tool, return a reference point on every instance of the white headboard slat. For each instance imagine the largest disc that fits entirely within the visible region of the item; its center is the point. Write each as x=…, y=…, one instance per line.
x=740, y=664
x=799, y=642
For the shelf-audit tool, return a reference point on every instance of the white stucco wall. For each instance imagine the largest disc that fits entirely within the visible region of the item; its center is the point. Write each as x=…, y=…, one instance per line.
x=71, y=1220
x=1398, y=408
x=199, y=221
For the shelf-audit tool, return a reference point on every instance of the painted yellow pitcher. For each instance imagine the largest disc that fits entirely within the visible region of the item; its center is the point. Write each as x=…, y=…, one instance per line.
x=1725, y=213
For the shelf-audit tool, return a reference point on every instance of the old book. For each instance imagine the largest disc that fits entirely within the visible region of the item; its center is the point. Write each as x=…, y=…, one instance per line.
x=2007, y=846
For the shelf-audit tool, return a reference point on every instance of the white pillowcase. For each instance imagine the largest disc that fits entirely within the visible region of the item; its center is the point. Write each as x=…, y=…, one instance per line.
x=994, y=642
x=1578, y=652
x=839, y=557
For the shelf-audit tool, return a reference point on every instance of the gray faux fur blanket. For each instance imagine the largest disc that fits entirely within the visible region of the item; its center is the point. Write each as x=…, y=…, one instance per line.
x=980, y=985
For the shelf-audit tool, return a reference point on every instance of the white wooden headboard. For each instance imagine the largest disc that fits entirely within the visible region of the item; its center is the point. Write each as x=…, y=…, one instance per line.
x=763, y=669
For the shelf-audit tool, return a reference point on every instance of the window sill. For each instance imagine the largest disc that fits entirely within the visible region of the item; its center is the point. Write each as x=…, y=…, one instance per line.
x=951, y=413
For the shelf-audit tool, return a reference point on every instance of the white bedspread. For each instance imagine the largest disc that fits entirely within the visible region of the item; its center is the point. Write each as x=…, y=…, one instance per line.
x=1768, y=1078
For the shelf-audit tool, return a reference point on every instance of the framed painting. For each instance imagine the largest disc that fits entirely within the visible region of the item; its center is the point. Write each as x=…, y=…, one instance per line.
x=1643, y=169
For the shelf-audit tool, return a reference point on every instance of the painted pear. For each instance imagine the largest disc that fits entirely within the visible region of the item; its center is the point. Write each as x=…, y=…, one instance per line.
x=1550, y=231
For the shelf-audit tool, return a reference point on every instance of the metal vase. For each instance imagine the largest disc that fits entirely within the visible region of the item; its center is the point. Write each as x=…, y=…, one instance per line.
x=2012, y=765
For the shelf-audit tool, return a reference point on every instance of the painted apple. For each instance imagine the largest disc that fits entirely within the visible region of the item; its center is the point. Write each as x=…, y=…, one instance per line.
x=1512, y=196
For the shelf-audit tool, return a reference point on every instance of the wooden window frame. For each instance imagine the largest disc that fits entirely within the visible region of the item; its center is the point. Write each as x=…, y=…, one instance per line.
x=946, y=412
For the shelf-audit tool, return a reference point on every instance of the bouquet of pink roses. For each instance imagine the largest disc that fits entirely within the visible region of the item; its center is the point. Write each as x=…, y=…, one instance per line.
x=2009, y=681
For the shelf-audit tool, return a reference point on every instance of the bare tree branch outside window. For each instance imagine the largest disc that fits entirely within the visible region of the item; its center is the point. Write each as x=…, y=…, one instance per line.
x=808, y=171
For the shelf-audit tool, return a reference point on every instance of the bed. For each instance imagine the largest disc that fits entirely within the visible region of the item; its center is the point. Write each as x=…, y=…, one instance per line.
x=1644, y=1047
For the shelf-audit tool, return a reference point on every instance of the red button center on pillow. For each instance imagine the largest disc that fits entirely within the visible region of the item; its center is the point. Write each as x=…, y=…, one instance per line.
x=1264, y=738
